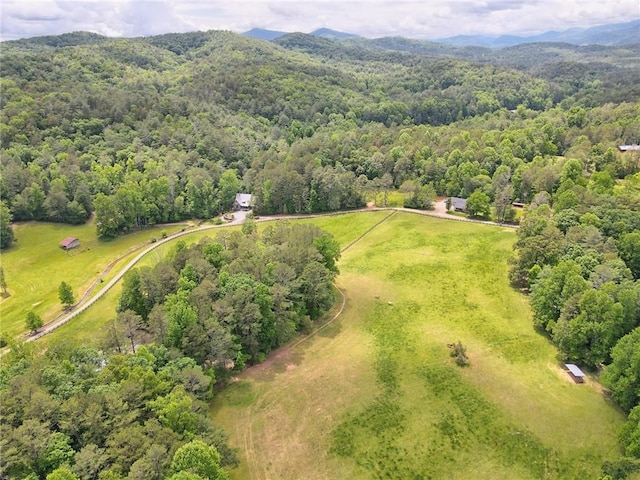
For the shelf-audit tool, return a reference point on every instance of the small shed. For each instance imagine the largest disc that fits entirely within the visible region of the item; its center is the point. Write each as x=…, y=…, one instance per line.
x=69, y=243
x=575, y=372
x=517, y=204
x=459, y=204
x=243, y=201
x=628, y=148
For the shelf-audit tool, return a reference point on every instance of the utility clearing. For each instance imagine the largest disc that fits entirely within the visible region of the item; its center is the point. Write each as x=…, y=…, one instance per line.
x=376, y=394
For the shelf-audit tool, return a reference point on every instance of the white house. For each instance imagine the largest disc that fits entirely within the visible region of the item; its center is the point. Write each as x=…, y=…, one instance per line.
x=243, y=201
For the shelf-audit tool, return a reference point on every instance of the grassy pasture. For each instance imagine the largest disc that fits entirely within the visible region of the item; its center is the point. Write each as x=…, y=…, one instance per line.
x=376, y=395
x=86, y=326
x=35, y=265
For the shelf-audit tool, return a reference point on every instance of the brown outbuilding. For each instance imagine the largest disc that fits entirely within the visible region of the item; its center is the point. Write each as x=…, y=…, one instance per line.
x=69, y=243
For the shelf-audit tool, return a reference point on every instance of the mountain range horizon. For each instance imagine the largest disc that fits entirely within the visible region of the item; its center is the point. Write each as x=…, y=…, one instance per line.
x=607, y=34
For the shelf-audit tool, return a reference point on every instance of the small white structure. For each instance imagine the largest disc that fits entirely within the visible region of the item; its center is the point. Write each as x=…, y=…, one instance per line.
x=243, y=201
x=575, y=372
x=628, y=148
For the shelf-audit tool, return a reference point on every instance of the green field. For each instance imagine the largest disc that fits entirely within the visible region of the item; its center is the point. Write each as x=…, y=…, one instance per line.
x=35, y=265
x=86, y=327
x=375, y=394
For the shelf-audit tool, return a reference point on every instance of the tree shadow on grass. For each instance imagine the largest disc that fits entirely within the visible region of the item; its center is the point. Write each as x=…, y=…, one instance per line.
x=278, y=362
x=330, y=331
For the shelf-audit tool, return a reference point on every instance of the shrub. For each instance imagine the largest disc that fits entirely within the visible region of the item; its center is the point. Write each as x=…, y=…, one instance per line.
x=459, y=351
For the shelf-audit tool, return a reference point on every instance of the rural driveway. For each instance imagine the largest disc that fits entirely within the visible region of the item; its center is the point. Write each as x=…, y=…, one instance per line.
x=439, y=211
x=238, y=218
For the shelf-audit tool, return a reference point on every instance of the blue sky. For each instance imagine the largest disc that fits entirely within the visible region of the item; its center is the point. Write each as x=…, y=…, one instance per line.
x=425, y=19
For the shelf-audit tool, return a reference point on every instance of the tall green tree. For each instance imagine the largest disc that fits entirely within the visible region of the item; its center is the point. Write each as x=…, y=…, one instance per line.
x=34, y=321
x=622, y=375
x=228, y=185
x=478, y=204
x=630, y=435
x=196, y=457
x=108, y=219
x=553, y=288
x=132, y=297
x=6, y=232
x=65, y=294
x=62, y=473
x=629, y=250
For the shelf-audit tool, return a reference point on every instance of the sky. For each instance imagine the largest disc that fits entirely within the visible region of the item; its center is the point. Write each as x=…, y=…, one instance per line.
x=426, y=19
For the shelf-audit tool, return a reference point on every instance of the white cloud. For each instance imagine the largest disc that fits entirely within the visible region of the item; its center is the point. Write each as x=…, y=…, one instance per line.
x=410, y=18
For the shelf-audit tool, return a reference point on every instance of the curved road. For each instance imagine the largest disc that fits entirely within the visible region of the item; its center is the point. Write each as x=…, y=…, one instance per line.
x=239, y=217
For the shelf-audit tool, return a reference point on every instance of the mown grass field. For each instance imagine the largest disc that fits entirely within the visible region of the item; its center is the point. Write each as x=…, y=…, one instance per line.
x=35, y=265
x=376, y=395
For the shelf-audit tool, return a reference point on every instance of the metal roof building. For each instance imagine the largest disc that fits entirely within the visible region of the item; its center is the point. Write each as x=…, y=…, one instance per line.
x=459, y=204
x=575, y=372
x=244, y=201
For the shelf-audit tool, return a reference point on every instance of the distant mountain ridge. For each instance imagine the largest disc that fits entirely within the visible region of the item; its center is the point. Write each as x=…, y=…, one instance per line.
x=328, y=33
x=264, y=34
x=609, y=35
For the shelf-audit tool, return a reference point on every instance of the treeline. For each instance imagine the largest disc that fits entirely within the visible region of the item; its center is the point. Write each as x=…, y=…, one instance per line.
x=144, y=131
x=578, y=251
x=228, y=302
x=80, y=414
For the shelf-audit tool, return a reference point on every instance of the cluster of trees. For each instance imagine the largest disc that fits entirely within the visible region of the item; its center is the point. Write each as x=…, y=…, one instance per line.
x=578, y=252
x=230, y=301
x=78, y=414
x=150, y=130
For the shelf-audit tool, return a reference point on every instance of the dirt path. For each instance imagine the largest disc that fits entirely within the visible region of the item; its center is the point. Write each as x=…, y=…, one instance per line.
x=283, y=354
x=87, y=301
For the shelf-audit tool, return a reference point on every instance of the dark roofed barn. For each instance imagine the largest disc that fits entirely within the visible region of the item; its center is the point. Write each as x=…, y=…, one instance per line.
x=69, y=243
x=459, y=204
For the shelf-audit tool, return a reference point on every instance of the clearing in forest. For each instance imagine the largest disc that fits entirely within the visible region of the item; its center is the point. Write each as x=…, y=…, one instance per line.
x=376, y=394
x=35, y=265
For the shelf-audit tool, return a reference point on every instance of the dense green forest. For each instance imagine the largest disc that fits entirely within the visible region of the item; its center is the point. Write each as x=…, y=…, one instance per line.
x=233, y=300
x=150, y=130
x=160, y=129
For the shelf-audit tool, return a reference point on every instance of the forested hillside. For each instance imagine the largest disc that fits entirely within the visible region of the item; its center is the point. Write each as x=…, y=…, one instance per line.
x=159, y=129
x=144, y=131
